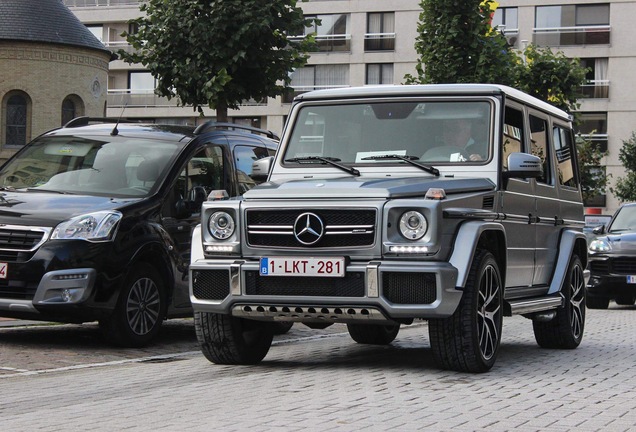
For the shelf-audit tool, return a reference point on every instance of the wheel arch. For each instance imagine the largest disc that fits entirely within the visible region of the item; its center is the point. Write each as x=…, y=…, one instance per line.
x=571, y=242
x=155, y=256
x=472, y=236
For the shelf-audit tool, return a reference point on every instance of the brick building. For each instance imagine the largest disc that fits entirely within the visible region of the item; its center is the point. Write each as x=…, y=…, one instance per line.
x=52, y=69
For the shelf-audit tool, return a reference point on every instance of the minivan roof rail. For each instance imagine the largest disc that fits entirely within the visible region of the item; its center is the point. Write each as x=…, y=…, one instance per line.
x=210, y=125
x=84, y=120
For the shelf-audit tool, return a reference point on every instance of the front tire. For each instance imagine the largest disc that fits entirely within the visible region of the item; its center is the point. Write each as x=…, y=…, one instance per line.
x=565, y=331
x=140, y=309
x=625, y=300
x=373, y=334
x=597, y=302
x=468, y=341
x=229, y=340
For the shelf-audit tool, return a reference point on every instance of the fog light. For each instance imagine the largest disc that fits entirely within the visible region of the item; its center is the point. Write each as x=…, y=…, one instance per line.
x=66, y=295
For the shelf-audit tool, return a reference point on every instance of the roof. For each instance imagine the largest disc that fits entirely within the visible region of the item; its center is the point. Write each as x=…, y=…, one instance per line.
x=432, y=90
x=48, y=21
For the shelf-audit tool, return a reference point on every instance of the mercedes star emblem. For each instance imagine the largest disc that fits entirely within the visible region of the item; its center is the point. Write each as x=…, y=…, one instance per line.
x=308, y=228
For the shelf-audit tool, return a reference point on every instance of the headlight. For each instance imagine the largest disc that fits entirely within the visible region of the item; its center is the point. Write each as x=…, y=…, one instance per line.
x=221, y=225
x=92, y=226
x=600, y=245
x=413, y=225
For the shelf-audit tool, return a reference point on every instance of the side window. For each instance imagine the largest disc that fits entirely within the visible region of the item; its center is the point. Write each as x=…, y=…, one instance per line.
x=512, y=134
x=540, y=146
x=244, y=156
x=564, y=149
x=201, y=175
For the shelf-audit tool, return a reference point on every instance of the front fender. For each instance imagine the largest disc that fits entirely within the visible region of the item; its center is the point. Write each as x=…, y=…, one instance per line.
x=571, y=242
x=465, y=246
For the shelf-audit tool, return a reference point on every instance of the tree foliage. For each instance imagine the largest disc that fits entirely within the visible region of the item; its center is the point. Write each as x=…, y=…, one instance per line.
x=625, y=187
x=457, y=45
x=219, y=53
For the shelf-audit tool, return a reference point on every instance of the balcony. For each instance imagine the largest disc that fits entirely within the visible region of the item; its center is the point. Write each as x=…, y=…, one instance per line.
x=115, y=46
x=329, y=43
x=119, y=98
x=94, y=3
x=560, y=36
x=595, y=89
x=598, y=139
x=379, y=41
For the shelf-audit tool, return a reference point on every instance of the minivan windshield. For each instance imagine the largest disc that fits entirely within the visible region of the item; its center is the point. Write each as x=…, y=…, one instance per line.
x=437, y=131
x=89, y=165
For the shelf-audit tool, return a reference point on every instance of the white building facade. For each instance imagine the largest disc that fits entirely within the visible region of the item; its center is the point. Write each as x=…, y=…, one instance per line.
x=363, y=42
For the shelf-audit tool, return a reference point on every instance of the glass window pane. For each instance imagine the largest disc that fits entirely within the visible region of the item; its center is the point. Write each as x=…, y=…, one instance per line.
x=548, y=17
x=592, y=15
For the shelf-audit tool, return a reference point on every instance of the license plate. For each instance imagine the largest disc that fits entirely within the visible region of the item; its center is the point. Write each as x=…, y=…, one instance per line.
x=631, y=279
x=4, y=268
x=289, y=266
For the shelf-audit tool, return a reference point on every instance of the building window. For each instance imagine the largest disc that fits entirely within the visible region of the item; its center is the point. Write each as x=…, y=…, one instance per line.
x=379, y=73
x=597, y=84
x=380, y=34
x=16, y=119
x=593, y=127
x=317, y=77
x=141, y=82
x=97, y=30
x=72, y=107
x=332, y=34
x=505, y=19
x=572, y=25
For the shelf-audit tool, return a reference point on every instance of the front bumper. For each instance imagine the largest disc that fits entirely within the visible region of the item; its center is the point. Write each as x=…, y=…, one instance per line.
x=370, y=291
x=609, y=286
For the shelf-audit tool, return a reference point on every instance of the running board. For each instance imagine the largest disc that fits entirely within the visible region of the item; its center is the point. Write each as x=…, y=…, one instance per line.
x=528, y=306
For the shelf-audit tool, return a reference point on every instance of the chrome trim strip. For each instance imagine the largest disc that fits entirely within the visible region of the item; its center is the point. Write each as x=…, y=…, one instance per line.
x=235, y=277
x=373, y=288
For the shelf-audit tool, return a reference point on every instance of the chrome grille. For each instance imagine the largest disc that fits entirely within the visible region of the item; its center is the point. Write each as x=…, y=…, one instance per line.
x=343, y=228
x=20, y=239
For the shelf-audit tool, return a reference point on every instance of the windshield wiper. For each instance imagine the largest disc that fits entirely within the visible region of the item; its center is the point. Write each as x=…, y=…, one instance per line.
x=325, y=160
x=408, y=159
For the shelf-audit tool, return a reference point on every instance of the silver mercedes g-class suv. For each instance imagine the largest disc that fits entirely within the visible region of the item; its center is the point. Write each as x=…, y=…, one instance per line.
x=456, y=204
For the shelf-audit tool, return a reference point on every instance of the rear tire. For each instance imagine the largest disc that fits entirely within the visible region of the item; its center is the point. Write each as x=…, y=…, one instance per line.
x=625, y=300
x=468, y=341
x=597, y=302
x=373, y=334
x=225, y=339
x=565, y=331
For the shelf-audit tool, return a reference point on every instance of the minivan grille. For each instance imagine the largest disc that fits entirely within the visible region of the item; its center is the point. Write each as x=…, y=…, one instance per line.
x=19, y=239
x=342, y=228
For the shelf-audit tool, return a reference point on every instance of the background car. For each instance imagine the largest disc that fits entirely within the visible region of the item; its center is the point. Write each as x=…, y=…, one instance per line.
x=96, y=219
x=613, y=261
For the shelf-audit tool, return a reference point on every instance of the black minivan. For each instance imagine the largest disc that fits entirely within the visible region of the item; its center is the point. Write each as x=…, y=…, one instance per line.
x=96, y=219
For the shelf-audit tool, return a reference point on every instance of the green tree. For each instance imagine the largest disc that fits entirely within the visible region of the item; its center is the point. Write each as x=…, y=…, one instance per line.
x=625, y=187
x=456, y=44
x=219, y=53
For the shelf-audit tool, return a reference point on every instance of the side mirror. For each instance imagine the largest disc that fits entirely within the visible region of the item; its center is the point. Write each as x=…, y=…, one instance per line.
x=523, y=165
x=260, y=169
x=599, y=230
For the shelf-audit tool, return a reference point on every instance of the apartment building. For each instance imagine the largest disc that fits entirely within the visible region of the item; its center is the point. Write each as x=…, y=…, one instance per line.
x=363, y=42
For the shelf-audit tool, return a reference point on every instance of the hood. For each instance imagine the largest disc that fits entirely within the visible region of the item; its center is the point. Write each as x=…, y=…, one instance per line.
x=624, y=242
x=48, y=209
x=381, y=188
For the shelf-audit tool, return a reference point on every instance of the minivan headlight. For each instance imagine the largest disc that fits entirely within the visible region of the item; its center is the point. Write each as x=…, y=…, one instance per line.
x=97, y=226
x=413, y=225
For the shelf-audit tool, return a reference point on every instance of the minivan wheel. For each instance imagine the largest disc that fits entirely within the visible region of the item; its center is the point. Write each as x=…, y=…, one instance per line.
x=468, y=341
x=566, y=329
x=229, y=340
x=140, y=309
x=625, y=300
x=373, y=334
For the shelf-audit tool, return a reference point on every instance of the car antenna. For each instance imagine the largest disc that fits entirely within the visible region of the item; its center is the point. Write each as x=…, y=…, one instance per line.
x=115, y=131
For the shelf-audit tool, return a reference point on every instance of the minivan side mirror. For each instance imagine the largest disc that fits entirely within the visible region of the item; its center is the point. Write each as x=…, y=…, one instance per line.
x=523, y=165
x=260, y=169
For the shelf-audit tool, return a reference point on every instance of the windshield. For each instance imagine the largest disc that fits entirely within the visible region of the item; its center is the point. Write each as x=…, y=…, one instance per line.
x=625, y=220
x=108, y=166
x=366, y=133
